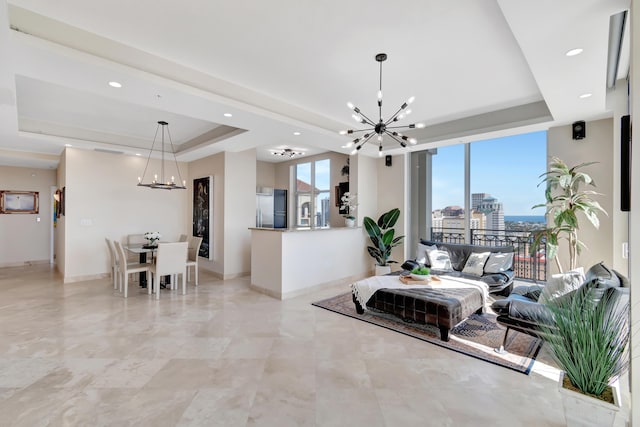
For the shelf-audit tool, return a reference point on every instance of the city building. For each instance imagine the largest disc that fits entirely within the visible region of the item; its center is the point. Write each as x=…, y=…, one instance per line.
x=494, y=212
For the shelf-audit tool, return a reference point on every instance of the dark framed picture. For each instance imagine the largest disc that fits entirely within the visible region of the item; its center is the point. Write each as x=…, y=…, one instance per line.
x=341, y=188
x=19, y=202
x=202, y=218
x=57, y=205
x=63, y=200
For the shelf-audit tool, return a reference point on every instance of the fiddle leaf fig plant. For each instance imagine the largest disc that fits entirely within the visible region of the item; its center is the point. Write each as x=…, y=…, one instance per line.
x=565, y=197
x=382, y=236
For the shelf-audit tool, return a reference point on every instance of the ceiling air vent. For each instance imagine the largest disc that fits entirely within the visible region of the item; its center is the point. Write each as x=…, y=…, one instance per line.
x=103, y=150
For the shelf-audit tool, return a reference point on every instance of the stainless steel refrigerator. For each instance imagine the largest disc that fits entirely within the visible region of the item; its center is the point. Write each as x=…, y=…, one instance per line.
x=271, y=208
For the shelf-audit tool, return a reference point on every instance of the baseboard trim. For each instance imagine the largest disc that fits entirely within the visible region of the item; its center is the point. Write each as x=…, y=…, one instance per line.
x=298, y=292
x=89, y=277
x=24, y=263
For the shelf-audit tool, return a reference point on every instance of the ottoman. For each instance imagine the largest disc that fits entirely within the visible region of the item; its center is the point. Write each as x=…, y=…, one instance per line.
x=443, y=308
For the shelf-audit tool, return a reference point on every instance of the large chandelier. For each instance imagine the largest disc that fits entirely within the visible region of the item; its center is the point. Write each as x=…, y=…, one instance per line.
x=162, y=183
x=381, y=127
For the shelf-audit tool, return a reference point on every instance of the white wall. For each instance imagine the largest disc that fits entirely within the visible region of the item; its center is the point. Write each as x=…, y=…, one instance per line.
x=364, y=178
x=24, y=239
x=103, y=201
x=618, y=102
x=239, y=211
x=266, y=174
x=597, y=146
x=211, y=166
x=59, y=232
x=391, y=194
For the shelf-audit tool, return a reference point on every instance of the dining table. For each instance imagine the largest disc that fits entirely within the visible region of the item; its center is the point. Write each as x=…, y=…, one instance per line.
x=142, y=250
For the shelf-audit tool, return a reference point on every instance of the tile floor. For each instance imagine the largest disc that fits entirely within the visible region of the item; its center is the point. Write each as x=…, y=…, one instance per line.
x=81, y=355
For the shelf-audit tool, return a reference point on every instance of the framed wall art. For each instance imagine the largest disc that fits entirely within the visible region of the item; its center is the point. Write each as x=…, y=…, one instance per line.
x=202, y=214
x=19, y=202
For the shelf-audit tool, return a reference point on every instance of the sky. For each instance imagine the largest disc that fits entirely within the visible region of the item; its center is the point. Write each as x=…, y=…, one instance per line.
x=507, y=168
x=322, y=173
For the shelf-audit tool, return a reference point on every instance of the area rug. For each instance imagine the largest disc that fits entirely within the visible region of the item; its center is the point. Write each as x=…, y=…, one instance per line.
x=477, y=336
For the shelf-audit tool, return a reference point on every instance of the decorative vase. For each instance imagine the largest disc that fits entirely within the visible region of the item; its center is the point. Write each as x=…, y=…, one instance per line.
x=350, y=222
x=581, y=410
x=381, y=270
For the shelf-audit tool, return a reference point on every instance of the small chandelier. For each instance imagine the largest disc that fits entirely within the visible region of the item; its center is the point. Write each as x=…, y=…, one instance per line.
x=381, y=127
x=162, y=183
x=287, y=152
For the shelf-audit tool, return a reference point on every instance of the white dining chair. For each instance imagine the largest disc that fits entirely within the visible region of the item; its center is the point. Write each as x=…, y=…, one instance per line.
x=125, y=268
x=114, y=263
x=171, y=259
x=192, y=256
x=133, y=240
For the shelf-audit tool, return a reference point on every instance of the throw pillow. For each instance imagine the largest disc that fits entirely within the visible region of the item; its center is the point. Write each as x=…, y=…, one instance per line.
x=439, y=260
x=499, y=262
x=606, y=278
x=561, y=284
x=422, y=254
x=475, y=263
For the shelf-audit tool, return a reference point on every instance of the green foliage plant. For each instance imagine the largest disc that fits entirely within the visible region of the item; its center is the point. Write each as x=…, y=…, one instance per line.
x=565, y=197
x=589, y=339
x=423, y=271
x=382, y=236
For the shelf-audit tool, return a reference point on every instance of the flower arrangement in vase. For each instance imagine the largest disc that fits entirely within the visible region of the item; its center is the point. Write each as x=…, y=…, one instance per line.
x=152, y=237
x=349, y=205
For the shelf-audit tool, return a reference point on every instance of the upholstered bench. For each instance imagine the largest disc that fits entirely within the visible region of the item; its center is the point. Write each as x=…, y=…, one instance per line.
x=443, y=306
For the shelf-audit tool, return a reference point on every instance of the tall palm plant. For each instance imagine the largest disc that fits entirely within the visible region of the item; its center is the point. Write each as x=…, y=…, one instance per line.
x=565, y=197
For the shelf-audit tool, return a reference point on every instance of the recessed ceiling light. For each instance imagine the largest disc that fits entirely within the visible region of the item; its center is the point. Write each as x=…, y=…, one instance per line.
x=138, y=154
x=585, y=95
x=296, y=133
x=574, y=52
x=228, y=115
x=115, y=84
x=68, y=145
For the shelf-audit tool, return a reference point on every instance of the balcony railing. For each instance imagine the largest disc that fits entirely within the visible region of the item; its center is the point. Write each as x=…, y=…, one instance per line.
x=525, y=266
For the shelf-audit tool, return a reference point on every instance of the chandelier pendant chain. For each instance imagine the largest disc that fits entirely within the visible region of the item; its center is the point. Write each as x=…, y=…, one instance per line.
x=380, y=92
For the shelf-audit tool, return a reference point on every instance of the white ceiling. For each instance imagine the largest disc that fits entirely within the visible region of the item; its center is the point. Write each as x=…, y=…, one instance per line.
x=476, y=67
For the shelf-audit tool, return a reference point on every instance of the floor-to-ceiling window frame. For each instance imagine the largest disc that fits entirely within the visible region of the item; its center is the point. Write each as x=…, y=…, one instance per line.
x=497, y=172
x=312, y=184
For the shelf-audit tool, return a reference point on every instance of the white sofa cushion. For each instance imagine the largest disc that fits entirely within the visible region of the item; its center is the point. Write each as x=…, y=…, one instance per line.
x=499, y=262
x=475, y=263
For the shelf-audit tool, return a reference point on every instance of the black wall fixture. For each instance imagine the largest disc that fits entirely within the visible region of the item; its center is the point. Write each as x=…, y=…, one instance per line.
x=625, y=163
x=579, y=130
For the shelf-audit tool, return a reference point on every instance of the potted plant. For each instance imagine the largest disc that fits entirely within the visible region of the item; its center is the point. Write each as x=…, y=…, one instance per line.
x=589, y=341
x=349, y=205
x=565, y=197
x=383, y=238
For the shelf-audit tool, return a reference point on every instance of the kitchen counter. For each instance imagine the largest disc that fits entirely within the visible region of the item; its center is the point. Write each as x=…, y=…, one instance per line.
x=286, y=262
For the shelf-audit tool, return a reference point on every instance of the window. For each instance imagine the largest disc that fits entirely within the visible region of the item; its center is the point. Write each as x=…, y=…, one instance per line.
x=447, y=192
x=503, y=177
x=312, y=193
x=503, y=174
